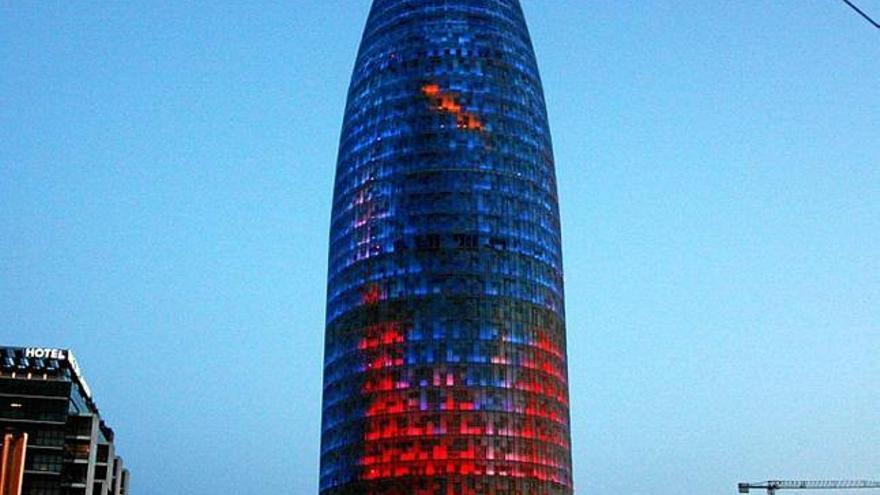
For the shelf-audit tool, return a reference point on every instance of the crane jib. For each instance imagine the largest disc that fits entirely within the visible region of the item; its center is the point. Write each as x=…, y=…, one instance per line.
x=773, y=485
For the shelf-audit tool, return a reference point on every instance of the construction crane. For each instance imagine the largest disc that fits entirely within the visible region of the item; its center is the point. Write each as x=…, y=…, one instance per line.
x=772, y=486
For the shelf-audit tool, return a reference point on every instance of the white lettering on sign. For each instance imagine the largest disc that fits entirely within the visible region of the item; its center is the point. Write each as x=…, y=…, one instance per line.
x=45, y=353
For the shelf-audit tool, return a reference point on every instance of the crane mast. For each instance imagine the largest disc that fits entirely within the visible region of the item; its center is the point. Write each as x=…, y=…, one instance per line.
x=773, y=485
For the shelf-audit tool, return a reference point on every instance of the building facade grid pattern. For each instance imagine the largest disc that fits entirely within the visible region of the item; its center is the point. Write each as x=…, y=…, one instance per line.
x=445, y=354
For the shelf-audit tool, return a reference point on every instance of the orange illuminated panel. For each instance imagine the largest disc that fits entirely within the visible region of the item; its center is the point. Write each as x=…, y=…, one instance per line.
x=448, y=102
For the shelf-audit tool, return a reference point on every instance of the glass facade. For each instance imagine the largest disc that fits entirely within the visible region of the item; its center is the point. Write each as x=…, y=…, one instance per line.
x=445, y=355
x=69, y=449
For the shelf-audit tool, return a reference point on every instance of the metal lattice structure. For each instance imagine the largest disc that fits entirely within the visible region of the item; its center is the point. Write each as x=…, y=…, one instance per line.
x=774, y=485
x=445, y=365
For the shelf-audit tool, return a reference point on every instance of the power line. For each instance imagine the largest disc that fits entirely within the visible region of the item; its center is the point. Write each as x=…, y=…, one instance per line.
x=862, y=13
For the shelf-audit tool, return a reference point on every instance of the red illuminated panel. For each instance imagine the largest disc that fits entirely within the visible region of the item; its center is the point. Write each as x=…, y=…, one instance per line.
x=406, y=438
x=371, y=294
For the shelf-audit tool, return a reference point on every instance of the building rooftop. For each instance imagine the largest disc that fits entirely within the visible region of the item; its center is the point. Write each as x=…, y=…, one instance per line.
x=47, y=363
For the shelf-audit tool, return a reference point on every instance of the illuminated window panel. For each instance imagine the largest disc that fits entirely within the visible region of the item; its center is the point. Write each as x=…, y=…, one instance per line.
x=445, y=356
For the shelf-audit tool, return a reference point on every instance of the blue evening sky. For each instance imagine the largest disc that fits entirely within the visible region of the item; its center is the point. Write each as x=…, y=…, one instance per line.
x=165, y=189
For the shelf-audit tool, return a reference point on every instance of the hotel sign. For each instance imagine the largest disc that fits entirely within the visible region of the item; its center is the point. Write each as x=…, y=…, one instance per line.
x=45, y=353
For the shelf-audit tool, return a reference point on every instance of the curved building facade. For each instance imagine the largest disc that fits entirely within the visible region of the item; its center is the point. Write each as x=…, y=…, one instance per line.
x=445, y=353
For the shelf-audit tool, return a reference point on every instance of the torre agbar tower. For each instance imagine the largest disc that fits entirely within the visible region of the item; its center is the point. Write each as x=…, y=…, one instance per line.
x=445, y=358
